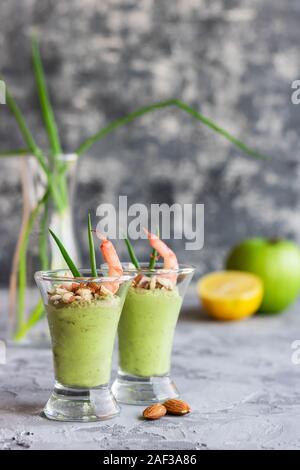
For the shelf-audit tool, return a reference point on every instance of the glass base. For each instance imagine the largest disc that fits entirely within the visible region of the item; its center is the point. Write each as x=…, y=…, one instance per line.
x=134, y=390
x=81, y=404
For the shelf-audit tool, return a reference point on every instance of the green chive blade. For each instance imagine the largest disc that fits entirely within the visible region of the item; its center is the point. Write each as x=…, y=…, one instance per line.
x=127, y=119
x=219, y=130
x=153, y=255
x=65, y=255
x=27, y=135
x=92, y=248
x=46, y=108
x=161, y=105
x=15, y=110
x=22, y=261
x=131, y=253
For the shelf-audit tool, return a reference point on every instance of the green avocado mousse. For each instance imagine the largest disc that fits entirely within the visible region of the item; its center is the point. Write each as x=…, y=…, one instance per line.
x=82, y=333
x=147, y=326
x=83, y=310
x=146, y=330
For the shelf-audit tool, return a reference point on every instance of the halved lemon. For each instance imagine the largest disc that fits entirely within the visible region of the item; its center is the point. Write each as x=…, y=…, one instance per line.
x=230, y=295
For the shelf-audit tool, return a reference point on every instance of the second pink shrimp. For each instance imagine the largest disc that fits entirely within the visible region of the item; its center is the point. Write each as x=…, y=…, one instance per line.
x=169, y=257
x=111, y=258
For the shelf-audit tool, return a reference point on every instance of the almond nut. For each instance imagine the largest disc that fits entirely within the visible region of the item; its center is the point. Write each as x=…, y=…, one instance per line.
x=155, y=411
x=152, y=283
x=137, y=279
x=84, y=293
x=166, y=283
x=177, y=407
x=68, y=297
x=61, y=291
x=94, y=287
x=74, y=286
x=55, y=297
x=106, y=292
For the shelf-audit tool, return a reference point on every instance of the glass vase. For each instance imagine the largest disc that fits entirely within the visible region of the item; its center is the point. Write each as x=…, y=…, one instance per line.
x=26, y=319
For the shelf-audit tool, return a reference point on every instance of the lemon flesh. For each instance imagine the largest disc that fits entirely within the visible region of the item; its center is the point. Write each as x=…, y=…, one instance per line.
x=230, y=295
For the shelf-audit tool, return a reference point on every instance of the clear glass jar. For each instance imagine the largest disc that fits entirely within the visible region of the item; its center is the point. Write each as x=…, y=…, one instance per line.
x=26, y=319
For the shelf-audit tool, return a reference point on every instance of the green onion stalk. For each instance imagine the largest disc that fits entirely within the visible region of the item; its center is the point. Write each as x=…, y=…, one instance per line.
x=56, y=170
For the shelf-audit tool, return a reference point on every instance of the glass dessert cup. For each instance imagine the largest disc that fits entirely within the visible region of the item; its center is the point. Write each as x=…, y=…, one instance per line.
x=83, y=316
x=145, y=334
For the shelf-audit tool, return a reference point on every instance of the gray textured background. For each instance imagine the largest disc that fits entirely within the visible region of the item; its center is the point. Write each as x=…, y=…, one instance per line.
x=234, y=60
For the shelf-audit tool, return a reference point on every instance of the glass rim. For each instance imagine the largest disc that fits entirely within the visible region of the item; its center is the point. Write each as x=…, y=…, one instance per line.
x=158, y=268
x=53, y=275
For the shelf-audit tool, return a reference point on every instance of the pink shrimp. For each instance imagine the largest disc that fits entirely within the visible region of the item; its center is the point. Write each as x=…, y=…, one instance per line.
x=169, y=257
x=111, y=258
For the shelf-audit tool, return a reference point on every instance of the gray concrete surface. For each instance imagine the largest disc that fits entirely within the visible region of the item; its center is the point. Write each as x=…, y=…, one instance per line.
x=238, y=378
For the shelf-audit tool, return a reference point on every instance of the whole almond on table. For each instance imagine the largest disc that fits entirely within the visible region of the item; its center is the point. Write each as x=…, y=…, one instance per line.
x=177, y=407
x=155, y=411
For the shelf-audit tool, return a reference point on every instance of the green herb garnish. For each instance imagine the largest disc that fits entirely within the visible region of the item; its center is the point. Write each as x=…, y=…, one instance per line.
x=66, y=256
x=131, y=253
x=92, y=248
x=154, y=255
x=46, y=108
x=166, y=104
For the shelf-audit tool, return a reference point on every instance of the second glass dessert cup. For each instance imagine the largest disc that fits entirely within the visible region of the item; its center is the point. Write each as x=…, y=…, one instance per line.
x=83, y=316
x=145, y=333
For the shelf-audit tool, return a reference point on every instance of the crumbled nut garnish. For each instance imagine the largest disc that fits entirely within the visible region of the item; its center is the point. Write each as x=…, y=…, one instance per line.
x=94, y=287
x=55, y=297
x=85, y=293
x=137, y=279
x=61, y=291
x=77, y=292
x=152, y=283
x=166, y=283
x=106, y=292
x=68, y=297
x=144, y=282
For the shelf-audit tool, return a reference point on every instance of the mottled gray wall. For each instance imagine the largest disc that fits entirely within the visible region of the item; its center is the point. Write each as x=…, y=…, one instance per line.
x=232, y=59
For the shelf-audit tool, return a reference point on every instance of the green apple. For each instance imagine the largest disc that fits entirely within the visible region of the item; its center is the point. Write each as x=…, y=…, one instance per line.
x=276, y=262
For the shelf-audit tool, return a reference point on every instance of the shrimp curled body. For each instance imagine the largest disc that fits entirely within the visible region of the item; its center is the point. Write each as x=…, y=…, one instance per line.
x=114, y=264
x=169, y=257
